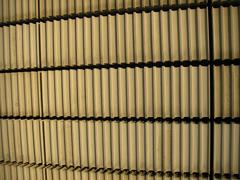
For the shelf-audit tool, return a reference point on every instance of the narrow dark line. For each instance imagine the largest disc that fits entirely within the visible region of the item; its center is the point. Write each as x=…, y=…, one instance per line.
x=40, y=74
x=217, y=120
x=41, y=115
x=231, y=90
x=159, y=64
x=133, y=172
x=41, y=94
x=211, y=53
x=218, y=4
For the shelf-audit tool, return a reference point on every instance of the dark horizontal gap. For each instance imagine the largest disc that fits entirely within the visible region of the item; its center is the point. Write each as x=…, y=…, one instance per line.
x=114, y=12
x=112, y=171
x=123, y=171
x=226, y=3
x=226, y=62
x=185, y=63
x=218, y=120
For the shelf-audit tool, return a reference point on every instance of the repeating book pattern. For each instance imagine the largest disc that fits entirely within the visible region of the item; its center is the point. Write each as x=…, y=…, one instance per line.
x=119, y=89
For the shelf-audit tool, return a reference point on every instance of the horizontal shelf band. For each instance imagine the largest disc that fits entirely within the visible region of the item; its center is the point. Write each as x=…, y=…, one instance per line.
x=110, y=170
x=121, y=171
x=217, y=120
x=131, y=10
x=185, y=63
x=217, y=4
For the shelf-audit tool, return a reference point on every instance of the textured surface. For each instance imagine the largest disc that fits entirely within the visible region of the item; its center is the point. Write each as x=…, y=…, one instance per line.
x=119, y=96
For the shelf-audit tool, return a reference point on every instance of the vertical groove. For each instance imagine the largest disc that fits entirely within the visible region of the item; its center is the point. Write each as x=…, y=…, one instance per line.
x=231, y=87
x=211, y=51
x=41, y=97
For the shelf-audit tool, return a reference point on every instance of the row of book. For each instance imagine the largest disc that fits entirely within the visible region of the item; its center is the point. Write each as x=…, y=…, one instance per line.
x=12, y=10
x=139, y=146
x=123, y=92
x=16, y=10
x=130, y=38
